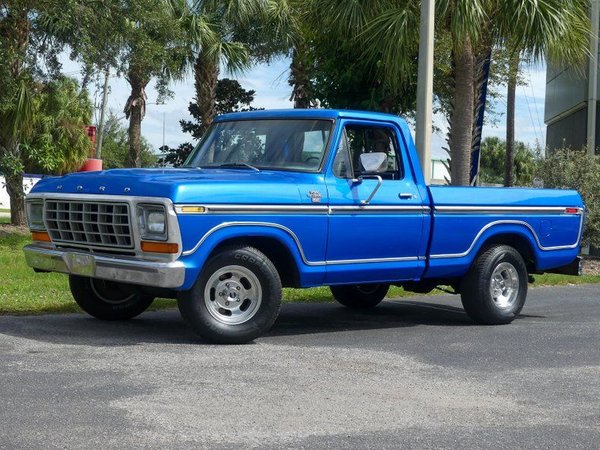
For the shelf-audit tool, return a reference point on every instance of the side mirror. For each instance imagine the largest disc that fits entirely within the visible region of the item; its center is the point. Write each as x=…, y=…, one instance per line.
x=376, y=162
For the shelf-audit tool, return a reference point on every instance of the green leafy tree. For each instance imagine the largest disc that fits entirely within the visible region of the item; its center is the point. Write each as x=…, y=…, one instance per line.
x=28, y=55
x=143, y=40
x=175, y=156
x=570, y=169
x=57, y=141
x=115, y=153
x=536, y=29
x=493, y=151
x=341, y=80
x=230, y=97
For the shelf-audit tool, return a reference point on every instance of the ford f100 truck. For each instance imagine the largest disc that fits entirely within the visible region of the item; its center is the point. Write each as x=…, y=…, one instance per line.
x=300, y=198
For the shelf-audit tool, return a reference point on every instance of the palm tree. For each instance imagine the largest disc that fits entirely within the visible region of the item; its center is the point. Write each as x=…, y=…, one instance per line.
x=213, y=28
x=153, y=47
x=290, y=22
x=385, y=32
x=531, y=29
x=385, y=36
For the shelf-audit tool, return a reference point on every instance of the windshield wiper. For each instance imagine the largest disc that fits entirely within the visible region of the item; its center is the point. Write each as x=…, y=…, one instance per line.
x=239, y=164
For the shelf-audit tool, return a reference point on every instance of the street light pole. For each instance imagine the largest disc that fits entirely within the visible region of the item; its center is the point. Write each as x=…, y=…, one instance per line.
x=163, y=146
x=593, y=80
x=102, y=112
x=425, y=87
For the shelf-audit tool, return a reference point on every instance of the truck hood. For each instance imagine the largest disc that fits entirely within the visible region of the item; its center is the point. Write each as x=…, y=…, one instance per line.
x=238, y=186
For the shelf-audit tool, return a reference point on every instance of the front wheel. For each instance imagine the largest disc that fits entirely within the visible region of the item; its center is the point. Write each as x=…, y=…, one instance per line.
x=236, y=298
x=494, y=290
x=107, y=300
x=360, y=296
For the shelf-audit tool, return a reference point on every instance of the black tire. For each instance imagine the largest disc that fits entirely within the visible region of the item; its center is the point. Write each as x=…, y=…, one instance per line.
x=236, y=298
x=506, y=302
x=107, y=300
x=360, y=296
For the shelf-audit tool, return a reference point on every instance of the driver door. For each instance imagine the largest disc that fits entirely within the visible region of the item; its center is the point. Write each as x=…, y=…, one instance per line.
x=375, y=227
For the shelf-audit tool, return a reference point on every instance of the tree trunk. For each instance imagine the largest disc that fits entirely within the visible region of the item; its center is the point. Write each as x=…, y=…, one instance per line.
x=300, y=78
x=18, y=23
x=135, y=109
x=509, y=165
x=461, y=134
x=206, y=73
x=14, y=186
x=16, y=33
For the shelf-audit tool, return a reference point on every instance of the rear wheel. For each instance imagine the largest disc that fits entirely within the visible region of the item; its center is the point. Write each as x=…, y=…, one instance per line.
x=108, y=300
x=236, y=298
x=360, y=296
x=494, y=290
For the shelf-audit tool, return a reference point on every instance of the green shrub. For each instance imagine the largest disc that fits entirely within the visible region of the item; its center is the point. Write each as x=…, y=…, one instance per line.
x=575, y=169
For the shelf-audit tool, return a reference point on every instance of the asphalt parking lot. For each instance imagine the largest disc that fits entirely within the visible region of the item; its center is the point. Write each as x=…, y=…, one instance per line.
x=412, y=373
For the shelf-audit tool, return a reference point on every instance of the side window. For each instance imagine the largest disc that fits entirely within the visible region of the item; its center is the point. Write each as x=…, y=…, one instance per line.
x=369, y=139
x=313, y=145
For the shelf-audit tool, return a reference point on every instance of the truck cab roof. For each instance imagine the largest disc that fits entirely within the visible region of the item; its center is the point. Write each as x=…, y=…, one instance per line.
x=331, y=114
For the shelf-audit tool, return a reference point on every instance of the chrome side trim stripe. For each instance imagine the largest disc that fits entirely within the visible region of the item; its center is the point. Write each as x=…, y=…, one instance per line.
x=333, y=209
x=255, y=209
x=505, y=209
x=511, y=222
x=378, y=208
x=298, y=209
x=297, y=241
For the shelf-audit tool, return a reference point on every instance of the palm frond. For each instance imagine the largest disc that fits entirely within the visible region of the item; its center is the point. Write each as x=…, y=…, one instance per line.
x=235, y=57
x=389, y=42
x=559, y=29
x=20, y=116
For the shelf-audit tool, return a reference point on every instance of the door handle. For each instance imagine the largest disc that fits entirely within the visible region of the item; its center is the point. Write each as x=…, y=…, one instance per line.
x=406, y=196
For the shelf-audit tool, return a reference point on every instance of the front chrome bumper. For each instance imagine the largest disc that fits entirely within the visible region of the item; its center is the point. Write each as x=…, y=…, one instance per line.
x=133, y=271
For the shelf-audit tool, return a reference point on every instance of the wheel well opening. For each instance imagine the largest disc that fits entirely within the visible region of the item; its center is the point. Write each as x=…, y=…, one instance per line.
x=275, y=250
x=519, y=243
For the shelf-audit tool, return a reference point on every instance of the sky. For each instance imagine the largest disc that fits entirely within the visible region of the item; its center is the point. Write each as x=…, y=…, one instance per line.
x=273, y=92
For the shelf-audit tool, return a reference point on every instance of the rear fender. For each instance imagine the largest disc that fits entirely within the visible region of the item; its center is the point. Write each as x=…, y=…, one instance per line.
x=456, y=265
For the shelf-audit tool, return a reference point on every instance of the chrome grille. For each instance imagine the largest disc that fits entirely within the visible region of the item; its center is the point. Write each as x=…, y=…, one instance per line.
x=94, y=224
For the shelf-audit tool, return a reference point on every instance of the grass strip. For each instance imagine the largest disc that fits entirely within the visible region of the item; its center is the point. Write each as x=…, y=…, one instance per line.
x=22, y=291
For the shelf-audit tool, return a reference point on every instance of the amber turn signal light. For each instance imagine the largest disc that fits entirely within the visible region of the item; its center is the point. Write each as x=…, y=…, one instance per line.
x=159, y=247
x=41, y=236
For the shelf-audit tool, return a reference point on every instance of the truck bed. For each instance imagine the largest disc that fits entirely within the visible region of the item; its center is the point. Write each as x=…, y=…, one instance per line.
x=548, y=223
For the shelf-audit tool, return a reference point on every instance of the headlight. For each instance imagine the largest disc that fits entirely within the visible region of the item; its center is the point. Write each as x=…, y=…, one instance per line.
x=35, y=215
x=152, y=220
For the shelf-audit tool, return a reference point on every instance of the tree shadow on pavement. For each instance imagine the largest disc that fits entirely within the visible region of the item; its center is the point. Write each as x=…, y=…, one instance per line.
x=167, y=326
x=331, y=317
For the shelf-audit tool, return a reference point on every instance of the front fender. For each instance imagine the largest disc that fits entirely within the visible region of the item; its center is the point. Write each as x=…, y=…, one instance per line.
x=195, y=258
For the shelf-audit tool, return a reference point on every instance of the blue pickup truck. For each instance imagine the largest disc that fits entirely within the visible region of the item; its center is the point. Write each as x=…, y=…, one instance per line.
x=300, y=198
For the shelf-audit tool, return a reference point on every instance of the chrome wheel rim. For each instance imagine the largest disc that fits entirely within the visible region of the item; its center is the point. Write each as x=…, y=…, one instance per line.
x=504, y=286
x=233, y=295
x=103, y=291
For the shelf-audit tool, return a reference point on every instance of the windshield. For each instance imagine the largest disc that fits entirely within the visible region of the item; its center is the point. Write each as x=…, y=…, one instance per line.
x=264, y=144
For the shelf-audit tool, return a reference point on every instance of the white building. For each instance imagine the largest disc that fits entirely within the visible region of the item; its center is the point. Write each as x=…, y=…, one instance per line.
x=28, y=182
